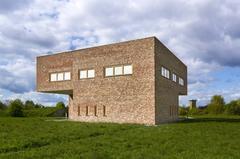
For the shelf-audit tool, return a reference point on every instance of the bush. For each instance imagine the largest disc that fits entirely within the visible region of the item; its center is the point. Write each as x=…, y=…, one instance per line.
x=16, y=108
x=60, y=105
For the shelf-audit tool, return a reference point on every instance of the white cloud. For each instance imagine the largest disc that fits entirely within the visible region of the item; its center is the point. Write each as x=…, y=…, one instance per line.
x=204, y=34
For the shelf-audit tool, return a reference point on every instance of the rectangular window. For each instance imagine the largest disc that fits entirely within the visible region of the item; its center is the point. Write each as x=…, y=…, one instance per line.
x=118, y=70
x=95, y=110
x=127, y=69
x=87, y=74
x=53, y=77
x=91, y=74
x=174, y=77
x=60, y=76
x=79, y=109
x=104, y=110
x=67, y=75
x=83, y=74
x=109, y=71
x=165, y=72
x=181, y=81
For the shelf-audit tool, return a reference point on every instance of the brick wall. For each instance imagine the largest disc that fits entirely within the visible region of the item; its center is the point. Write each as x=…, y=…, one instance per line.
x=167, y=91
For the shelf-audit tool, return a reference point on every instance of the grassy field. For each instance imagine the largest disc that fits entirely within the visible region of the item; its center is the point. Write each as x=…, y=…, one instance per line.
x=201, y=137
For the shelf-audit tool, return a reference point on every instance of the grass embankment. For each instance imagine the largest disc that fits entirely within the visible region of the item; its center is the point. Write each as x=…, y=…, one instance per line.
x=207, y=138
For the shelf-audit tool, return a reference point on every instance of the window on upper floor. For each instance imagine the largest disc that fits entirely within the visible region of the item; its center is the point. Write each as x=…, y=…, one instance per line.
x=174, y=77
x=109, y=71
x=60, y=76
x=91, y=73
x=87, y=74
x=53, y=77
x=127, y=69
x=118, y=70
x=165, y=72
x=181, y=81
x=67, y=76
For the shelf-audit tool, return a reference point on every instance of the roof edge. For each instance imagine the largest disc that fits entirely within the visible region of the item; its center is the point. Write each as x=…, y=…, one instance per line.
x=114, y=43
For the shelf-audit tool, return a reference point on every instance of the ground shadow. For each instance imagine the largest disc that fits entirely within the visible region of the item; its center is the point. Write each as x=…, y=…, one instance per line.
x=195, y=120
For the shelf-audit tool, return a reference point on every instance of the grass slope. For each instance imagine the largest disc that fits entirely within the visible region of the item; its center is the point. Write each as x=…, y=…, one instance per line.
x=40, y=138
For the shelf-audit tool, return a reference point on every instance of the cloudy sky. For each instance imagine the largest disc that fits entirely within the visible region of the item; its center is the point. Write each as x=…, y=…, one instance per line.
x=205, y=34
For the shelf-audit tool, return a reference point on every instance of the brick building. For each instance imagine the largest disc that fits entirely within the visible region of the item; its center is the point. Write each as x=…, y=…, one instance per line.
x=137, y=81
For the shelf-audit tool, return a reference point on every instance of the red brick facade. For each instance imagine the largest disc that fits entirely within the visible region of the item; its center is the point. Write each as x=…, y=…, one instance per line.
x=144, y=96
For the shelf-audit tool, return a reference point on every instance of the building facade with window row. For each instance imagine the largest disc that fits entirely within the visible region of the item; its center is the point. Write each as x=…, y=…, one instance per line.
x=137, y=81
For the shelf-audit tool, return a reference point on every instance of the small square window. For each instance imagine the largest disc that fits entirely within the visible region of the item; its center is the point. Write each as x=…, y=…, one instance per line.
x=128, y=69
x=67, y=76
x=109, y=71
x=53, y=77
x=83, y=74
x=91, y=73
x=118, y=70
x=60, y=77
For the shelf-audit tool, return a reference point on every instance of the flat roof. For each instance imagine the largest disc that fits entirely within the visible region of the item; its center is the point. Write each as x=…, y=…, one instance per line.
x=122, y=42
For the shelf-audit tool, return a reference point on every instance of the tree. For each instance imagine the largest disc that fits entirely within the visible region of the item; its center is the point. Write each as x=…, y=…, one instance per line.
x=60, y=105
x=29, y=104
x=183, y=110
x=216, y=105
x=2, y=106
x=233, y=107
x=16, y=108
x=39, y=106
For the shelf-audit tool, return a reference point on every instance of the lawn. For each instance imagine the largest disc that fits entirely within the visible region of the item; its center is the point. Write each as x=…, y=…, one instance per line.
x=200, y=137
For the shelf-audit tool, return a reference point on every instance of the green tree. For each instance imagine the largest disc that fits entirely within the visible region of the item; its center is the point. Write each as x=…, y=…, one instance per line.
x=233, y=107
x=29, y=104
x=39, y=106
x=2, y=106
x=183, y=111
x=216, y=106
x=16, y=108
x=60, y=105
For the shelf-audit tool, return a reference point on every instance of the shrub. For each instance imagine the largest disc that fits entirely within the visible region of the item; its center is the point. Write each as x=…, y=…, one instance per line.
x=16, y=108
x=60, y=105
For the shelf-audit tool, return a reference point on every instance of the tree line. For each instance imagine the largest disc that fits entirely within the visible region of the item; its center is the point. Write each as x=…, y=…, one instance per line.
x=217, y=105
x=18, y=108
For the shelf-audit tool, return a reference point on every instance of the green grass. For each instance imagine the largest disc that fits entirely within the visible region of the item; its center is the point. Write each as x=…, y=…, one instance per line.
x=205, y=137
